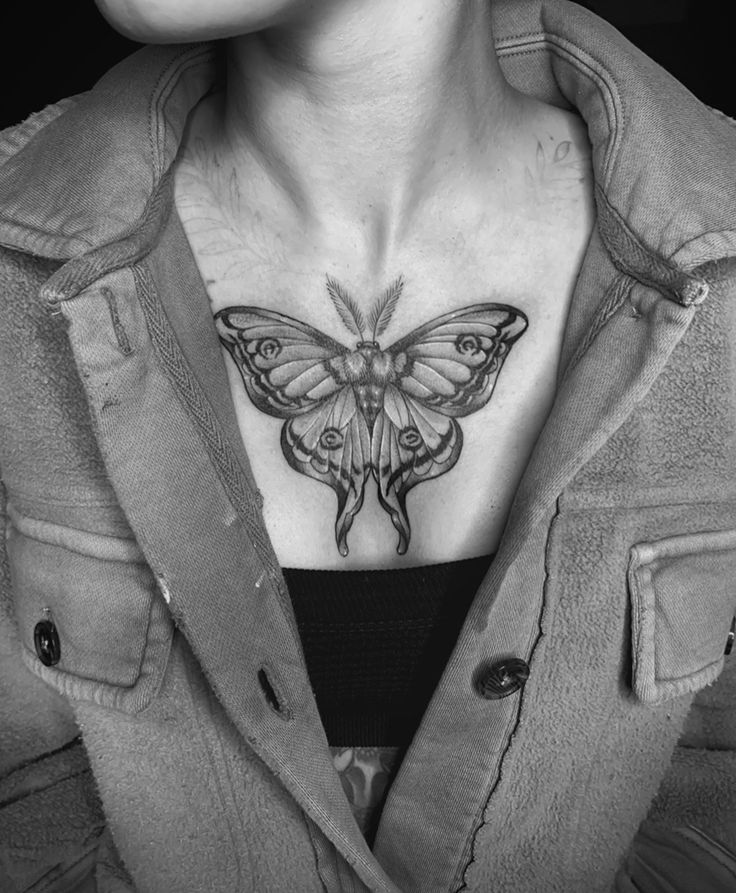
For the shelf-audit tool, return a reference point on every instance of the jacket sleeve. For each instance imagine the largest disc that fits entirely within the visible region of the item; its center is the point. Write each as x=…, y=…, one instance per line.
x=52, y=827
x=50, y=815
x=680, y=860
x=689, y=839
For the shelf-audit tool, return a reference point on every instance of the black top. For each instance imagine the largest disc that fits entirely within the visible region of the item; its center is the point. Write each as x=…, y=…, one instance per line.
x=376, y=643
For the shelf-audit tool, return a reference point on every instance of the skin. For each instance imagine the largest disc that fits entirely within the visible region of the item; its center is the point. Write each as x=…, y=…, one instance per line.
x=352, y=414
x=361, y=140
x=354, y=114
x=179, y=21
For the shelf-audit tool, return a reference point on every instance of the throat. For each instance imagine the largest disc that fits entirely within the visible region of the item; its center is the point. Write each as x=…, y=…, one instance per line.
x=403, y=92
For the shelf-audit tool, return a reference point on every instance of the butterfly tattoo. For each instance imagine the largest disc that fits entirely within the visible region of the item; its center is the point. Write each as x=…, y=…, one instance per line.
x=355, y=412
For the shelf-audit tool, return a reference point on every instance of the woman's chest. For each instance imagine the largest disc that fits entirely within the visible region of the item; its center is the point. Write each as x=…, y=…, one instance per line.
x=388, y=421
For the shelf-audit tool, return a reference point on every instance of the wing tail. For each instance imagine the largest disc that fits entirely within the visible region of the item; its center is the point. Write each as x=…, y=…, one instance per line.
x=331, y=444
x=410, y=444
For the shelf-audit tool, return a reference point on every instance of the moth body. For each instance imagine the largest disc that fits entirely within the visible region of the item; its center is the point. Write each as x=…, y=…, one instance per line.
x=370, y=369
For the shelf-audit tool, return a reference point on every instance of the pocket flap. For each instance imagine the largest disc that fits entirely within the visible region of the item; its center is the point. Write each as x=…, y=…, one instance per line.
x=110, y=625
x=683, y=599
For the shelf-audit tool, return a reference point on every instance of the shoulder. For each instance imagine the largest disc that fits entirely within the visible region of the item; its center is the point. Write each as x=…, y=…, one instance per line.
x=17, y=136
x=79, y=174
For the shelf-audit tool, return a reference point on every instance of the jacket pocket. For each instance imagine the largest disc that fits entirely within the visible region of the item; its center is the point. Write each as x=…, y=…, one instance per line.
x=89, y=606
x=683, y=600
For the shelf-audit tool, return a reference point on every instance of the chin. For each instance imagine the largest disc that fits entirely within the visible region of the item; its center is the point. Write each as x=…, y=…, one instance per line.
x=187, y=21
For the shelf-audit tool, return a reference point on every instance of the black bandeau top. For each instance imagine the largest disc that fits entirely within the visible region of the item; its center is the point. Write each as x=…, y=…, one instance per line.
x=376, y=643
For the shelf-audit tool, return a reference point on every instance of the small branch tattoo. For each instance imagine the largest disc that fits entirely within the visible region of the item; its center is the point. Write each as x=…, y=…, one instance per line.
x=354, y=412
x=212, y=208
x=557, y=176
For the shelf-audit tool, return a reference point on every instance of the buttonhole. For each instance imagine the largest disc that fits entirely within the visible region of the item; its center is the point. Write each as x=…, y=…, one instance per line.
x=731, y=637
x=273, y=696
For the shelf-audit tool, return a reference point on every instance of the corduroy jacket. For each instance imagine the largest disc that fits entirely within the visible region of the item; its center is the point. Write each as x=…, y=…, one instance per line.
x=169, y=742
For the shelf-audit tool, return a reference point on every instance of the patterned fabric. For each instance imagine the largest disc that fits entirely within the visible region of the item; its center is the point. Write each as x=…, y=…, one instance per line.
x=365, y=773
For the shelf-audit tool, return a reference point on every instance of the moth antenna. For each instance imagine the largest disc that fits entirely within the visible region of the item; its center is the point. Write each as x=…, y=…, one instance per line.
x=383, y=309
x=349, y=312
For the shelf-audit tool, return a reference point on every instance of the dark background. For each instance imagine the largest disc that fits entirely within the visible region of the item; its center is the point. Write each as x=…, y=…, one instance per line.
x=49, y=52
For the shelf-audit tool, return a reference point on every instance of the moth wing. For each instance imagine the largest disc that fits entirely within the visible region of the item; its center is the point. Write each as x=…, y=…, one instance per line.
x=331, y=444
x=287, y=367
x=452, y=363
x=410, y=443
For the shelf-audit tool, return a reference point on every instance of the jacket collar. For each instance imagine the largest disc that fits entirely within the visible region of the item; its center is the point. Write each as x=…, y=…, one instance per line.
x=670, y=181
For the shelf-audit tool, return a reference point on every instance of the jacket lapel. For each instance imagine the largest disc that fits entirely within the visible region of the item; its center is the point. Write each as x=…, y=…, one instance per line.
x=195, y=514
x=632, y=305
x=597, y=394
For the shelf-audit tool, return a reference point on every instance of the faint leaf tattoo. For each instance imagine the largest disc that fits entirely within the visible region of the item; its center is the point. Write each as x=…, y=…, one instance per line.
x=351, y=413
x=562, y=151
x=211, y=205
x=556, y=176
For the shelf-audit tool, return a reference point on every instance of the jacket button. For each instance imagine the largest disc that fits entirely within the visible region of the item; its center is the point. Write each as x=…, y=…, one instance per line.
x=46, y=640
x=502, y=679
x=730, y=640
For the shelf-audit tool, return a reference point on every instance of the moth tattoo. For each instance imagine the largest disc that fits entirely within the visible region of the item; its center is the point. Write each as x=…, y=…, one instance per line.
x=353, y=412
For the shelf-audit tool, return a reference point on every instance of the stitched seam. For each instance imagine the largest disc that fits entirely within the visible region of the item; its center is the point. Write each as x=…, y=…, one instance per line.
x=318, y=853
x=616, y=120
x=197, y=708
x=672, y=279
x=724, y=856
x=562, y=48
x=701, y=503
x=694, y=676
x=197, y=405
x=176, y=67
x=462, y=869
x=614, y=299
x=69, y=682
x=50, y=881
x=614, y=109
x=30, y=228
x=124, y=344
x=75, y=742
x=73, y=503
x=93, y=545
x=632, y=256
x=79, y=273
x=195, y=402
x=46, y=787
x=527, y=36
x=638, y=607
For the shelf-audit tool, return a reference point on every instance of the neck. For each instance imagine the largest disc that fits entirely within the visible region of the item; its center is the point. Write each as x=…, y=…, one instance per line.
x=356, y=115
